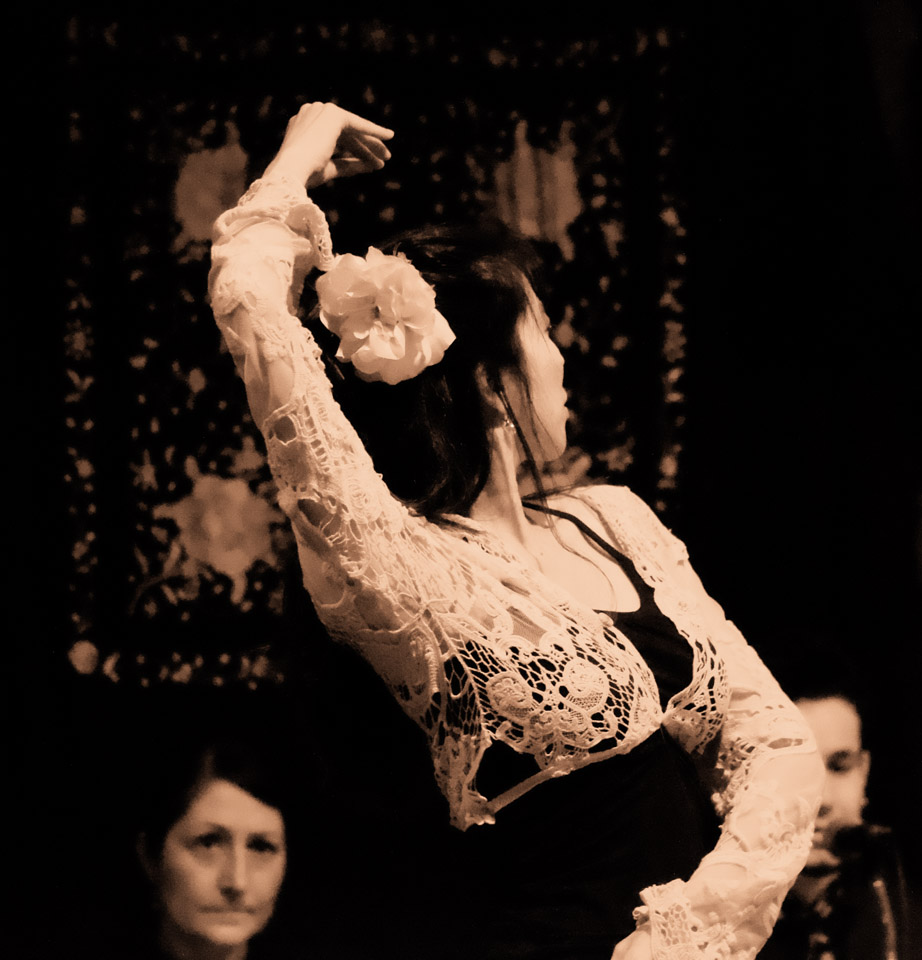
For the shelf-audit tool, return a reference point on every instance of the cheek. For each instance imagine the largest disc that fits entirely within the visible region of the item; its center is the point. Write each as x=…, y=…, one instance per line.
x=267, y=881
x=845, y=796
x=185, y=886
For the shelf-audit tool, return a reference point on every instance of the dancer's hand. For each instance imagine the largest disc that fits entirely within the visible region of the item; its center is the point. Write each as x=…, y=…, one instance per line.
x=323, y=141
x=638, y=946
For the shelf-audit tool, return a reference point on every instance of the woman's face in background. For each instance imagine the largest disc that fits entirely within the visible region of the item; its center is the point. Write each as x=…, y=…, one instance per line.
x=543, y=414
x=221, y=868
x=837, y=727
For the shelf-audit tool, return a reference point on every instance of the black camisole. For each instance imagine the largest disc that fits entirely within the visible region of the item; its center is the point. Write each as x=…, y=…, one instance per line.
x=558, y=875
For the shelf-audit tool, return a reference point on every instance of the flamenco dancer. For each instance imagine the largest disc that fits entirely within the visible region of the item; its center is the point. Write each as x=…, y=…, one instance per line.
x=631, y=781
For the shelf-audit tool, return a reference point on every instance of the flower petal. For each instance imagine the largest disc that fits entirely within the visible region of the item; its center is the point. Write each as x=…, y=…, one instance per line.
x=385, y=315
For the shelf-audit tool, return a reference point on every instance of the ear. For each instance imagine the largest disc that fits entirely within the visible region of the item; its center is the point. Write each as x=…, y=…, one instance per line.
x=493, y=403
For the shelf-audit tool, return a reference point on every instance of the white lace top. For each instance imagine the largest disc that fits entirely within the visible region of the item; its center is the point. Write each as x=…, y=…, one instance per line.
x=479, y=648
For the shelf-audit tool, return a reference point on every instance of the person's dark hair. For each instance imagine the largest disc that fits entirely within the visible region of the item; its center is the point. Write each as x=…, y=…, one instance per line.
x=812, y=662
x=183, y=767
x=428, y=436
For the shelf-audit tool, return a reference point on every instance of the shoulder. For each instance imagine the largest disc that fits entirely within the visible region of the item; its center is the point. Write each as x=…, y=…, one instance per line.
x=628, y=519
x=610, y=501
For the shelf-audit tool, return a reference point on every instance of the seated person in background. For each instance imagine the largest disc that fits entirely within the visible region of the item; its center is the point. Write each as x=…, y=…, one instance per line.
x=849, y=902
x=211, y=839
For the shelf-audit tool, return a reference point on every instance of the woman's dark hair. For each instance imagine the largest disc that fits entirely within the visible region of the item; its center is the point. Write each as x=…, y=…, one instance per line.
x=428, y=436
x=181, y=766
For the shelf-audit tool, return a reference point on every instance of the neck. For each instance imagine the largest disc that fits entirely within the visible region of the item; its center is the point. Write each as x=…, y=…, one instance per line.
x=180, y=945
x=499, y=506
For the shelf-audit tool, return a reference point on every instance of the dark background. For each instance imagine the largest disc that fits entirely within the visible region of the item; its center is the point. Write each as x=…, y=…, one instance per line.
x=793, y=160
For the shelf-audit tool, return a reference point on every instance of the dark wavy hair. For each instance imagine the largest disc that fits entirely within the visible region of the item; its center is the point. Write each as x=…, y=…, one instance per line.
x=429, y=436
x=183, y=768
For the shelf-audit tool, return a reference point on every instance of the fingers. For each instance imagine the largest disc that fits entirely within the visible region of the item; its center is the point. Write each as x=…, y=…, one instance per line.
x=345, y=166
x=355, y=153
x=323, y=141
x=357, y=124
x=363, y=147
x=350, y=166
x=341, y=121
x=344, y=119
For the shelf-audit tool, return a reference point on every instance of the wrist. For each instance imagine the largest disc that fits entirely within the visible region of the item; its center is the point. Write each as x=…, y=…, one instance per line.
x=290, y=171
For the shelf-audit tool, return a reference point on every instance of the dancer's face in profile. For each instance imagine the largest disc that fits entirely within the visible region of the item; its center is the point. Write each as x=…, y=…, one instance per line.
x=837, y=727
x=221, y=868
x=543, y=414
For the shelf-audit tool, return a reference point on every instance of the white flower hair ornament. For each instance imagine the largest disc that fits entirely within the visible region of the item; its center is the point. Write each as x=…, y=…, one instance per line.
x=384, y=314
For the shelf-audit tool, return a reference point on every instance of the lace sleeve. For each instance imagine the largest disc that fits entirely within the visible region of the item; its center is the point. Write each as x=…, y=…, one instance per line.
x=767, y=781
x=402, y=591
x=361, y=550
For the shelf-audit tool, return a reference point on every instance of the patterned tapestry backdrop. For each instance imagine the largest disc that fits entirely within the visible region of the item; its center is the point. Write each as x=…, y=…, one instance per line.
x=182, y=570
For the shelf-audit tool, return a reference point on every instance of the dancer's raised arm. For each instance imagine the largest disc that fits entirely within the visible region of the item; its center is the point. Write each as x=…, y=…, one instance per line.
x=263, y=249
x=285, y=236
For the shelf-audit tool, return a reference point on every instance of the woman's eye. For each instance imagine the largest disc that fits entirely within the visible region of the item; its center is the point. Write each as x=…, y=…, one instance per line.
x=261, y=845
x=841, y=762
x=207, y=840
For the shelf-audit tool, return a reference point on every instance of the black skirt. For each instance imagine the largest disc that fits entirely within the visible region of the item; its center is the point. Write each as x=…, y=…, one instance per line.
x=558, y=875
